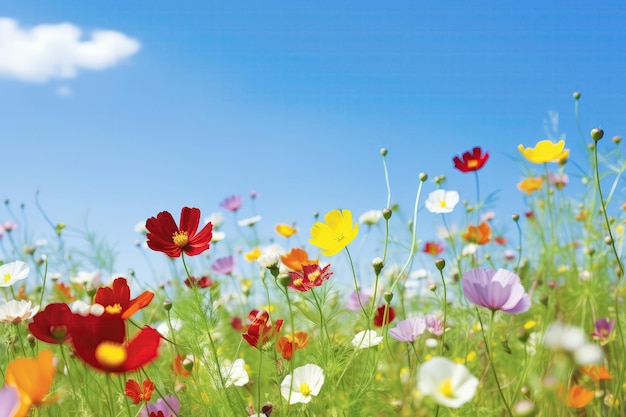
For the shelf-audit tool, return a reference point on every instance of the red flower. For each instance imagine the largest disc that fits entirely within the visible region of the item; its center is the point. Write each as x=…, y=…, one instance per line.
x=471, y=161
x=203, y=282
x=433, y=248
x=311, y=276
x=133, y=390
x=379, y=319
x=286, y=346
x=259, y=332
x=165, y=236
x=116, y=299
x=101, y=343
x=52, y=324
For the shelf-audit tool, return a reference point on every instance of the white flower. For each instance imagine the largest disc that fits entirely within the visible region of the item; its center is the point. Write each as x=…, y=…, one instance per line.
x=17, y=311
x=250, y=221
x=442, y=201
x=366, y=338
x=307, y=382
x=82, y=308
x=164, y=328
x=217, y=236
x=269, y=260
x=370, y=217
x=450, y=384
x=216, y=219
x=469, y=249
x=140, y=227
x=235, y=373
x=13, y=272
x=573, y=340
x=88, y=279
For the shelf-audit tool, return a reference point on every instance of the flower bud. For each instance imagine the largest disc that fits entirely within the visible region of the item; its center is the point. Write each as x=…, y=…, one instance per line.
x=439, y=179
x=440, y=263
x=378, y=264
x=167, y=305
x=284, y=280
x=188, y=364
x=617, y=139
x=597, y=134
x=387, y=213
x=423, y=176
x=515, y=217
x=576, y=95
x=524, y=408
x=432, y=287
x=383, y=152
x=608, y=240
x=388, y=296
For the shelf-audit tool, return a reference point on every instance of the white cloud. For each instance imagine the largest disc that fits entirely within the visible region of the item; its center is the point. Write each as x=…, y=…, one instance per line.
x=49, y=51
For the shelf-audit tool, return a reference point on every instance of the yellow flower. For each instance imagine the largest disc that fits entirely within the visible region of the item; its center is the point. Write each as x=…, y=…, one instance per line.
x=530, y=185
x=545, y=151
x=32, y=378
x=253, y=255
x=334, y=235
x=285, y=230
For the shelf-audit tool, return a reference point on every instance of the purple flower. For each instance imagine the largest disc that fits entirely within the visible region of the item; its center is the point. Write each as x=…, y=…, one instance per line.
x=602, y=329
x=495, y=290
x=353, y=299
x=408, y=330
x=164, y=407
x=224, y=265
x=232, y=203
x=9, y=400
x=433, y=324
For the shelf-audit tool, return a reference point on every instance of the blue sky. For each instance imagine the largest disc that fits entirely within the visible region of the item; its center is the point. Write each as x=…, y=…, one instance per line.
x=294, y=100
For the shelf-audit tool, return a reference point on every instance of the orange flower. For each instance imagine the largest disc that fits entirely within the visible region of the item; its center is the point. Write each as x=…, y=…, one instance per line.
x=32, y=378
x=530, y=185
x=295, y=258
x=480, y=234
x=133, y=390
x=178, y=367
x=64, y=291
x=286, y=346
x=597, y=373
x=578, y=397
x=285, y=230
x=433, y=248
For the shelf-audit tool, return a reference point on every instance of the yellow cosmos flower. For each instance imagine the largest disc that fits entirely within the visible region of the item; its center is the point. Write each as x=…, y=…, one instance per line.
x=530, y=185
x=334, y=235
x=253, y=255
x=32, y=378
x=285, y=230
x=545, y=151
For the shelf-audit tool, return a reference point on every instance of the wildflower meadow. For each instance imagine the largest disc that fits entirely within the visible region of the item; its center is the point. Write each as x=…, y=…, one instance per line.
x=503, y=314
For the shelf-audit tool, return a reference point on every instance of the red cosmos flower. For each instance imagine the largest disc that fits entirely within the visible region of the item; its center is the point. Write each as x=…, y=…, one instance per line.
x=165, y=236
x=380, y=313
x=472, y=161
x=116, y=299
x=259, y=332
x=101, y=343
x=133, y=390
x=203, y=282
x=433, y=248
x=52, y=324
x=311, y=276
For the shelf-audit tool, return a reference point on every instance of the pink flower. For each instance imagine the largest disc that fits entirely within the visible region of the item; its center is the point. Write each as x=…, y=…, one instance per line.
x=232, y=203
x=224, y=265
x=408, y=330
x=495, y=290
x=602, y=329
x=353, y=299
x=433, y=324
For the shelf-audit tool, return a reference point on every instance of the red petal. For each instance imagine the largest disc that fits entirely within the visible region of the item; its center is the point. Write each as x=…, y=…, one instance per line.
x=143, y=349
x=189, y=220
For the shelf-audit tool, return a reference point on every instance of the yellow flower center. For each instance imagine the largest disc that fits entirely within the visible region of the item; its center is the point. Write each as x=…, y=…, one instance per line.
x=305, y=390
x=446, y=388
x=114, y=309
x=472, y=163
x=313, y=275
x=180, y=239
x=442, y=204
x=111, y=354
x=297, y=282
x=7, y=277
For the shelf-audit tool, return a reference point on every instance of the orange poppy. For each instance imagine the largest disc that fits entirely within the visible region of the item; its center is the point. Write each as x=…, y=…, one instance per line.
x=480, y=234
x=597, y=373
x=32, y=378
x=286, y=345
x=578, y=397
x=296, y=258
